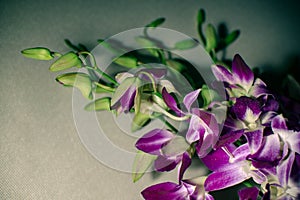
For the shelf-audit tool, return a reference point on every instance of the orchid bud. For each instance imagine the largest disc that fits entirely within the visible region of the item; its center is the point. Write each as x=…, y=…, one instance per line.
x=127, y=61
x=38, y=53
x=186, y=44
x=139, y=121
x=79, y=80
x=99, y=104
x=66, y=61
x=211, y=38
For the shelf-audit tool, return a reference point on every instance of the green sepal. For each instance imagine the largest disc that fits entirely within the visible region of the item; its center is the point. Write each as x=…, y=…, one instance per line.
x=186, y=44
x=127, y=61
x=139, y=121
x=99, y=104
x=38, y=53
x=66, y=61
x=142, y=162
x=211, y=38
x=78, y=80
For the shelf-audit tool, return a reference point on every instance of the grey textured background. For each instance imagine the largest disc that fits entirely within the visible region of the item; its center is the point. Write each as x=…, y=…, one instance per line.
x=41, y=156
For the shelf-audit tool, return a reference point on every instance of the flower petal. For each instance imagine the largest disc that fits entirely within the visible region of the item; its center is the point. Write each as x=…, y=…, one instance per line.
x=229, y=138
x=153, y=141
x=236, y=174
x=170, y=101
x=163, y=191
x=223, y=74
x=284, y=170
x=242, y=72
x=190, y=98
x=259, y=88
x=250, y=193
x=185, y=163
x=165, y=164
x=278, y=122
x=246, y=109
x=254, y=139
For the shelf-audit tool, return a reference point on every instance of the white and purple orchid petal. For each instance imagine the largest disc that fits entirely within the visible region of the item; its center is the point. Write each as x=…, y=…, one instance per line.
x=278, y=122
x=258, y=176
x=267, y=118
x=269, y=153
x=210, y=121
x=208, y=197
x=284, y=170
x=185, y=163
x=249, y=193
x=168, y=85
x=294, y=141
x=166, y=190
x=153, y=141
x=127, y=100
x=190, y=98
x=229, y=138
x=157, y=73
x=120, y=77
x=246, y=109
x=195, y=130
x=242, y=72
x=205, y=146
x=223, y=74
x=171, y=103
x=240, y=153
x=233, y=175
x=254, y=139
x=259, y=89
x=217, y=159
x=270, y=104
x=165, y=164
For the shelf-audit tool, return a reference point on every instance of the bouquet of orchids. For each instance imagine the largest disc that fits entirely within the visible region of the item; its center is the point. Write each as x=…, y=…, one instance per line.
x=243, y=136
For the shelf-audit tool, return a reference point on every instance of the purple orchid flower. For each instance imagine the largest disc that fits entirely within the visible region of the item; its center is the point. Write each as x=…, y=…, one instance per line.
x=232, y=165
x=158, y=142
x=124, y=97
x=240, y=80
x=186, y=190
x=203, y=127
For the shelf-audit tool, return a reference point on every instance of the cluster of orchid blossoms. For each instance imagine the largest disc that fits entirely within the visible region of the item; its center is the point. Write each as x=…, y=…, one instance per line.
x=253, y=146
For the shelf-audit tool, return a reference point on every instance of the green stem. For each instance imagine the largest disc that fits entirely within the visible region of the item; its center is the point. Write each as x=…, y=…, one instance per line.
x=103, y=74
x=157, y=108
x=151, y=79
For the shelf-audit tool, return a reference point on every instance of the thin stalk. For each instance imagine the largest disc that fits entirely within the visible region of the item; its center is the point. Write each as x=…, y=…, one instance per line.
x=168, y=124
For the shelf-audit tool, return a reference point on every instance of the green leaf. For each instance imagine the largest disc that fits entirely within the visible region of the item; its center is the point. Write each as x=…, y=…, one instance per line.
x=186, y=44
x=201, y=16
x=211, y=38
x=99, y=104
x=122, y=88
x=66, y=61
x=230, y=38
x=156, y=22
x=141, y=164
x=38, y=53
x=139, y=121
x=78, y=80
x=127, y=61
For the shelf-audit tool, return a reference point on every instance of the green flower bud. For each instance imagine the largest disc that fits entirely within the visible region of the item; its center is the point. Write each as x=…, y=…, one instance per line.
x=66, y=61
x=211, y=38
x=38, y=53
x=78, y=80
x=99, y=104
x=127, y=61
